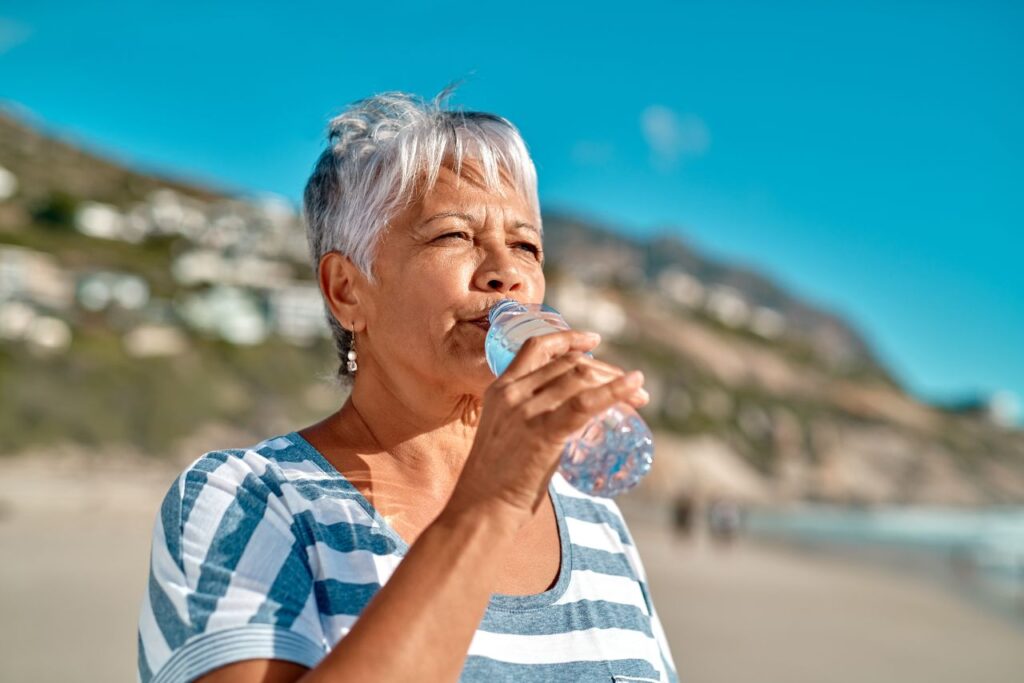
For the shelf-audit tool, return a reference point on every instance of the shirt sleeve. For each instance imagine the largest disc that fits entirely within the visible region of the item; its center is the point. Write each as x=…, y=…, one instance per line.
x=229, y=578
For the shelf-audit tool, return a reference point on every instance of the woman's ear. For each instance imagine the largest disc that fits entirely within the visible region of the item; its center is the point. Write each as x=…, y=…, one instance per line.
x=339, y=278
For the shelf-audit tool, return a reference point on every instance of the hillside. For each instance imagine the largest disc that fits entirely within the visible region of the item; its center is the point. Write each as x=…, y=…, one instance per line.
x=136, y=311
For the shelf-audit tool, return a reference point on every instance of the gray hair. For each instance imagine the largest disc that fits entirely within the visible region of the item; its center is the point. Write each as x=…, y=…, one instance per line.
x=383, y=152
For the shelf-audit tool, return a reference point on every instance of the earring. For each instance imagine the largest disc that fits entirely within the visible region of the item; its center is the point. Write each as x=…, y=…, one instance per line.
x=352, y=355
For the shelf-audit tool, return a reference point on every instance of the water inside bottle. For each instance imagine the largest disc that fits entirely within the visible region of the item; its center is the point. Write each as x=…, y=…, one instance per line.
x=503, y=341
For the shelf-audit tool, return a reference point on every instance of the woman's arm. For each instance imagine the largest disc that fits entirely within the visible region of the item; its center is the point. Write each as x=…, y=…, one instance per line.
x=419, y=625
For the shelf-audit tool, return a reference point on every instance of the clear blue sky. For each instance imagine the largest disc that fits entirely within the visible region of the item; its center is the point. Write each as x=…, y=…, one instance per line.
x=868, y=155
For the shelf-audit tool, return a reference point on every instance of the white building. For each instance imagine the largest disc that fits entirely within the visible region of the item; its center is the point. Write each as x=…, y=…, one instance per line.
x=1004, y=408
x=45, y=334
x=209, y=266
x=231, y=313
x=15, y=319
x=767, y=323
x=34, y=276
x=48, y=335
x=150, y=340
x=681, y=287
x=297, y=313
x=8, y=184
x=728, y=305
x=100, y=289
x=170, y=213
x=104, y=221
x=588, y=308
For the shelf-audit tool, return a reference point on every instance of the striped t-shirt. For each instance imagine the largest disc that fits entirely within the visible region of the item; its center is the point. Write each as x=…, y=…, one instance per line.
x=270, y=552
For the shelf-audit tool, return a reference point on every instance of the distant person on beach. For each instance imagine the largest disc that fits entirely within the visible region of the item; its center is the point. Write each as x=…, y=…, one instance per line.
x=682, y=514
x=724, y=520
x=421, y=532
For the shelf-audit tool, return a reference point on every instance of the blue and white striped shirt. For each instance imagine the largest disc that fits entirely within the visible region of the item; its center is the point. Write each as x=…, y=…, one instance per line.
x=269, y=552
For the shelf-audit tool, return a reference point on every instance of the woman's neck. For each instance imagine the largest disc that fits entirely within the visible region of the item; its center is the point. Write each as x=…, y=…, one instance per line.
x=422, y=439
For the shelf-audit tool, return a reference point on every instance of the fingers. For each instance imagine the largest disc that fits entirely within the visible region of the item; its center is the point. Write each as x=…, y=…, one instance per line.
x=607, y=372
x=545, y=374
x=536, y=351
x=568, y=375
x=578, y=409
x=562, y=369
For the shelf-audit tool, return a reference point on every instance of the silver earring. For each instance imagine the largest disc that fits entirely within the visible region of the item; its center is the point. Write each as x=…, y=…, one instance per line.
x=352, y=356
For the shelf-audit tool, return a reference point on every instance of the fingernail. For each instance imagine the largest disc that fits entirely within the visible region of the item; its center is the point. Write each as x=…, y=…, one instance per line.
x=594, y=336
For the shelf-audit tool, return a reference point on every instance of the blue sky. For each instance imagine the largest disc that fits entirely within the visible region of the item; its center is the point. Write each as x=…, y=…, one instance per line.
x=868, y=155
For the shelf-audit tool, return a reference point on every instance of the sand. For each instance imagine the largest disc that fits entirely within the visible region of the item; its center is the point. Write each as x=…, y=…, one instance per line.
x=769, y=613
x=75, y=540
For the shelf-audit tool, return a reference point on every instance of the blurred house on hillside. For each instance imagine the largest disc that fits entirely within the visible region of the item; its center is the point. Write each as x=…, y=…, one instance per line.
x=209, y=266
x=588, y=307
x=34, y=277
x=8, y=184
x=233, y=314
x=98, y=290
x=1001, y=408
x=297, y=313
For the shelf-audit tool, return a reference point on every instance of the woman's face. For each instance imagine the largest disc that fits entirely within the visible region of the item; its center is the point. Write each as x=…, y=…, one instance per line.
x=444, y=261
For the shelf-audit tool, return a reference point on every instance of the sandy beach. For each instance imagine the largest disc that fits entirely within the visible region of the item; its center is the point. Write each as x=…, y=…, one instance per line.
x=75, y=536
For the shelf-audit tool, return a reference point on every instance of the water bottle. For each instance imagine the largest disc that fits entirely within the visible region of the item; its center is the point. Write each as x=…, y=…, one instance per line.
x=608, y=455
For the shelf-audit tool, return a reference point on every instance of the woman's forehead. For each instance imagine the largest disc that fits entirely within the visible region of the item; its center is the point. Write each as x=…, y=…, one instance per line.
x=469, y=194
x=471, y=173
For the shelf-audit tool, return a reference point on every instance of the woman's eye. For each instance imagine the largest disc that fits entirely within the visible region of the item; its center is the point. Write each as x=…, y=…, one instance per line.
x=530, y=247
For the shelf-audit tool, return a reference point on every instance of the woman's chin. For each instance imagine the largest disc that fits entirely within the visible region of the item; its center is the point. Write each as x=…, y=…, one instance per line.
x=478, y=375
x=483, y=373
x=472, y=359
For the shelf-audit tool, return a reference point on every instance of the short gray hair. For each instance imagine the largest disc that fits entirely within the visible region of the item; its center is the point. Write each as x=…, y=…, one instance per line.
x=382, y=152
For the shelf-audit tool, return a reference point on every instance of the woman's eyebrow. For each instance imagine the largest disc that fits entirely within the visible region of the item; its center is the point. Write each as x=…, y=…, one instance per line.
x=521, y=225
x=449, y=214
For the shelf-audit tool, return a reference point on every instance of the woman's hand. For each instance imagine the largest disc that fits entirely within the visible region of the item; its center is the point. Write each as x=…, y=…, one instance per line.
x=549, y=391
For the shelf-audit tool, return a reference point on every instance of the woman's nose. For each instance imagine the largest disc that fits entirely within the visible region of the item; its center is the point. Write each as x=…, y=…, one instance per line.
x=499, y=273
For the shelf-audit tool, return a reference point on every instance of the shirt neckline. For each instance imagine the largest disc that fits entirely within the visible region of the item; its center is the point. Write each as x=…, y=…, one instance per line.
x=500, y=602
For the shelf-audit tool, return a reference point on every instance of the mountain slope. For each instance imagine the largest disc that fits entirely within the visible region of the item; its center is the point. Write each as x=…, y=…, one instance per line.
x=755, y=393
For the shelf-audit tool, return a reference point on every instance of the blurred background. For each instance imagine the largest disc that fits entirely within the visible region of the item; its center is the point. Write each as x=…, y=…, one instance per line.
x=802, y=221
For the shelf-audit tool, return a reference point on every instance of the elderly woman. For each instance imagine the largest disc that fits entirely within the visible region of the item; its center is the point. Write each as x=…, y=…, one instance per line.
x=421, y=532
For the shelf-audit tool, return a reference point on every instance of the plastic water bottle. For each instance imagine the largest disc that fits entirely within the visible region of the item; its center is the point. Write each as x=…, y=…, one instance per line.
x=613, y=451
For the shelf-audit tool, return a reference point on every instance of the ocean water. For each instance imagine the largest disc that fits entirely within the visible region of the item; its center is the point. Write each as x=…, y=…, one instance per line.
x=977, y=552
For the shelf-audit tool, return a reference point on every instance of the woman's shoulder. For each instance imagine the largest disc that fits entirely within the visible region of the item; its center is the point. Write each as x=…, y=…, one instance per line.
x=242, y=475
x=225, y=530
x=283, y=456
